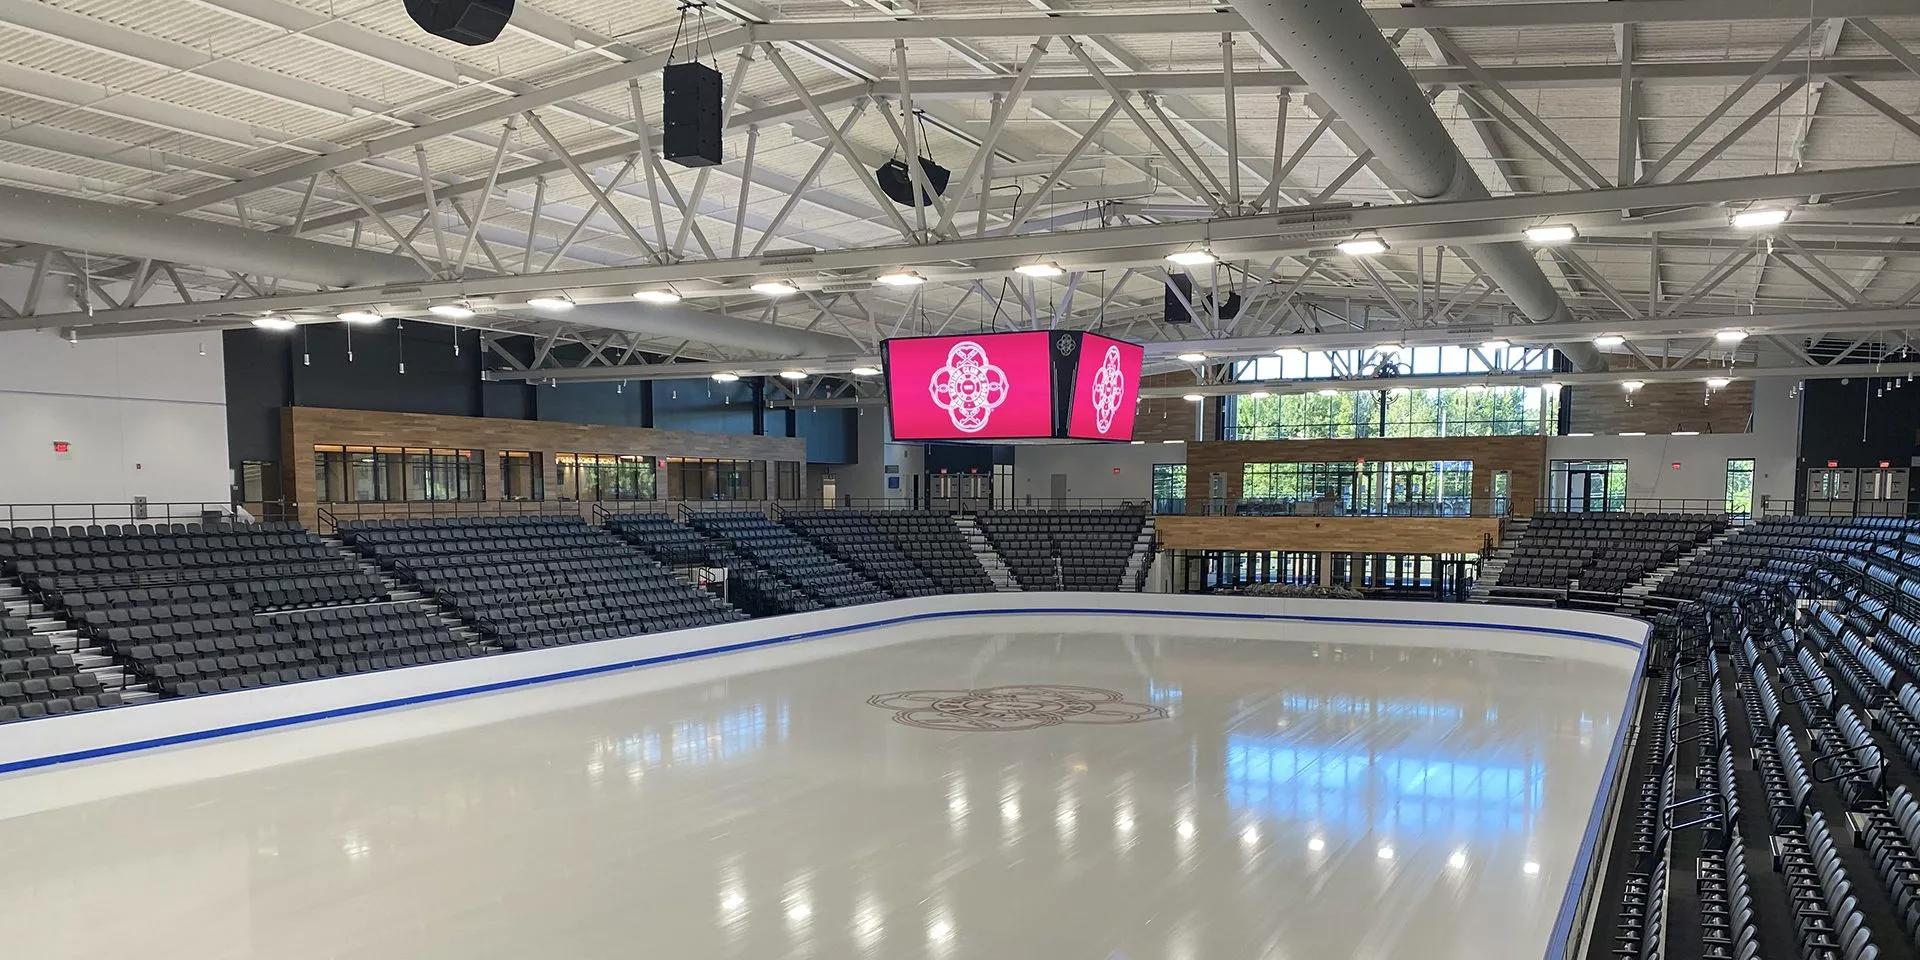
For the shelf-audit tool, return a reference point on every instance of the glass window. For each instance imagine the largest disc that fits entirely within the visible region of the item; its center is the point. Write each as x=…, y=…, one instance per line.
x=355, y=474
x=1170, y=487
x=1380, y=488
x=1740, y=487
x=1587, y=485
x=604, y=476
x=786, y=480
x=522, y=475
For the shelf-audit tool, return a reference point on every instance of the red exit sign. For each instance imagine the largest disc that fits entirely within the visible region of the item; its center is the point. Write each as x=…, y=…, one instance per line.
x=62, y=446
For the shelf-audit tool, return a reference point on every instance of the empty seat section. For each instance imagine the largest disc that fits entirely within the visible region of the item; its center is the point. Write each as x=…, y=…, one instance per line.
x=910, y=553
x=1065, y=549
x=750, y=587
x=529, y=581
x=39, y=677
x=790, y=557
x=1602, y=552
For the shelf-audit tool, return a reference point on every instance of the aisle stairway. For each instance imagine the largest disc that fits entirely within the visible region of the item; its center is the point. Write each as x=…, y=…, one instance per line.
x=989, y=558
x=1640, y=599
x=1140, y=560
x=398, y=591
x=1491, y=564
x=16, y=603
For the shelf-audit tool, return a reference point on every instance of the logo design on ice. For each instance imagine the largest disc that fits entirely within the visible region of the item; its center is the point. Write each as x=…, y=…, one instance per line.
x=969, y=388
x=1109, y=386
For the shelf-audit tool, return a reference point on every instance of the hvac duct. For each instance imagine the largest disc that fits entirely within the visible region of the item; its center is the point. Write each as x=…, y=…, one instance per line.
x=681, y=322
x=141, y=233
x=1338, y=50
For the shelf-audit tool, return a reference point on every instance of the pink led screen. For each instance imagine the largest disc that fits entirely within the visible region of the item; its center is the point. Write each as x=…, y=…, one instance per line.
x=1106, y=384
x=995, y=386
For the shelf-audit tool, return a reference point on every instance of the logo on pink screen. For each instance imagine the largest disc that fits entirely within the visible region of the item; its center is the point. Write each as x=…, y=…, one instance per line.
x=973, y=387
x=969, y=388
x=1106, y=385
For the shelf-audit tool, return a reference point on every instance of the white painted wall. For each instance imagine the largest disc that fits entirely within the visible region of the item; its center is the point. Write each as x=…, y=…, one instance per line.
x=1090, y=469
x=145, y=416
x=1702, y=475
x=866, y=479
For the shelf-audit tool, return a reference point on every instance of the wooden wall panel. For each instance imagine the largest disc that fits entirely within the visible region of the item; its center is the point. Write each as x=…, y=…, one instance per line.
x=1604, y=408
x=1323, y=534
x=1523, y=457
x=304, y=427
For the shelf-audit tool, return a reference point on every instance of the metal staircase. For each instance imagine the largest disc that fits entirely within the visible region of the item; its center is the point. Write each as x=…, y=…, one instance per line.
x=1138, y=561
x=989, y=558
x=16, y=602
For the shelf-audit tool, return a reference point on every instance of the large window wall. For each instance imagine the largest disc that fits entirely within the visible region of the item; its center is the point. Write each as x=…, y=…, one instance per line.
x=603, y=476
x=1382, y=488
x=357, y=474
x=694, y=478
x=1468, y=410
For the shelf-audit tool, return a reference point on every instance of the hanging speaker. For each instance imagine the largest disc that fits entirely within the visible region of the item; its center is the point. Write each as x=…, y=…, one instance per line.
x=897, y=183
x=471, y=22
x=690, y=114
x=1174, y=310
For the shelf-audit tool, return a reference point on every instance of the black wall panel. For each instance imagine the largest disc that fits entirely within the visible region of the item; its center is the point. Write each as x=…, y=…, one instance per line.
x=1847, y=422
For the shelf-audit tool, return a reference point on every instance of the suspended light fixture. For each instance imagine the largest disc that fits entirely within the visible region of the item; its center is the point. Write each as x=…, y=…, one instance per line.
x=1193, y=398
x=865, y=371
x=1759, y=218
x=1729, y=336
x=554, y=304
x=775, y=288
x=1045, y=268
x=1192, y=357
x=1191, y=258
x=459, y=310
x=1717, y=383
x=1608, y=341
x=359, y=316
x=1632, y=386
x=1367, y=245
x=660, y=297
x=725, y=377
x=900, y=278
x=271, y=322
x=1551, y=233
x=792, y=375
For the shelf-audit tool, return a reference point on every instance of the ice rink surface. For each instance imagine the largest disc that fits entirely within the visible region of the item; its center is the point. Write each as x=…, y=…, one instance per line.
x=995, y=787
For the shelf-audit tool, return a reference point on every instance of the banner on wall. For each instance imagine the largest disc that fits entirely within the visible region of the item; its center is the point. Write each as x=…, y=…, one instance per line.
x=1012, y=386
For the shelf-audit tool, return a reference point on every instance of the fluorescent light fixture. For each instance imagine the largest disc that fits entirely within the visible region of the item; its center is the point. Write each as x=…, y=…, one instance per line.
x=1494, y=344
x=792, y=375
x=775, y=288
x=900, y=278
x=1686, y=433
x=1632, y=385
x=1328, y=392
x=555, y=304
x=1259, y=395
x=1045, y=268
x=452, y=311
x=359, y=316
x=1192, y=357
x=1607, y=341
x=1759, y=218
x=1389, y=348
x=271, y=322
x=1552, y=233
x=662, y=297
x=1717, y=383
x=1729, y=336
x=724, y=377
x=1366, y=246
x=1633, y=433
x=1193, y=398
x=865, y=371
x=1191, y=258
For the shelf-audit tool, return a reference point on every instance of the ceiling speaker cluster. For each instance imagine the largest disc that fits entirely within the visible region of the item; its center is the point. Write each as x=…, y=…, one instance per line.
x=897, y=182
x=471, y=22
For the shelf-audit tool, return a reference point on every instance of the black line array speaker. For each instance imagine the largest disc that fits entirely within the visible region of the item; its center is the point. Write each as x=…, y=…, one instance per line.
x=472, y=22
x=690, y=109
x=897, y=183
x=1175, y=311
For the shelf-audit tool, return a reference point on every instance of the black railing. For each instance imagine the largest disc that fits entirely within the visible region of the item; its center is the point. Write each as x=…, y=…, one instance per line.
x=1297, y=507
x=132, y=511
